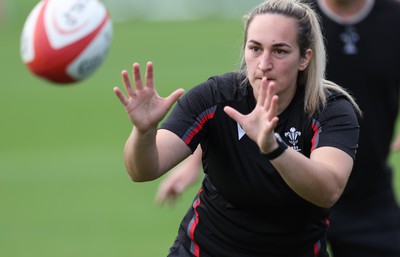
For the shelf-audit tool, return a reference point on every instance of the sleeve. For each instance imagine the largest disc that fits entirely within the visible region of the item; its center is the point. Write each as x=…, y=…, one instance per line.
x=338, y=126
x=189, y=117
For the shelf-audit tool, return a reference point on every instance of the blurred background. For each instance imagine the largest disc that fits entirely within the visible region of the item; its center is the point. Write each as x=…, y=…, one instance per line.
x=64, y=190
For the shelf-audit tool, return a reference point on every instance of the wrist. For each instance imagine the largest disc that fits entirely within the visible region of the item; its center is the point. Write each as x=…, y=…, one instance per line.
x=279, y=150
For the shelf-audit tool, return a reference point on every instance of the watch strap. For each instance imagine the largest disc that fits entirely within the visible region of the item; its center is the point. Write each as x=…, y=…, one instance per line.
x=278, y=151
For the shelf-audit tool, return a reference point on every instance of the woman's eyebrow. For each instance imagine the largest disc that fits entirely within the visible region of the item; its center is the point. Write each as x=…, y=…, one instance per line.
x=274, y=45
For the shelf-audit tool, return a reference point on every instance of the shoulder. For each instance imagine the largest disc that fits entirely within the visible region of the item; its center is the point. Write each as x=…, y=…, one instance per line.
x=333, y=95
x=222, y=82
x=220, y=88
x=338, y=104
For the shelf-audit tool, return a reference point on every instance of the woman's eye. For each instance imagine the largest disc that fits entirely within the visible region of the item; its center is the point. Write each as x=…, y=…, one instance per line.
x=280, y=51
x=255, y=49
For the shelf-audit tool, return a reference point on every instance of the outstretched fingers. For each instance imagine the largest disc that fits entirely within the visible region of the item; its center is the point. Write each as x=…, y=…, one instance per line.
x=267, y=91
x=267, y=98
x=137, y=78
x=128, y=88
x=273, y=109
x=262, y=94
x=127, y=83
x=121, y=96
x=150, y=75
x=271, y=103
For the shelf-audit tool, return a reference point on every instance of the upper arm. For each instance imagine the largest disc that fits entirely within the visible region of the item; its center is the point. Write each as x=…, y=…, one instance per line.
x=337, y=161
x=171, y=150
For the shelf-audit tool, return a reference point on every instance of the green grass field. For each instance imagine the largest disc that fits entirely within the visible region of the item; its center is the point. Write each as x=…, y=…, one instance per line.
x=63, y=187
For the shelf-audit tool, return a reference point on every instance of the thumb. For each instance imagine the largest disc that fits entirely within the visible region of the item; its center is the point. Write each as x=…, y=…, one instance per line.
x=235, y=115
x=174, y=96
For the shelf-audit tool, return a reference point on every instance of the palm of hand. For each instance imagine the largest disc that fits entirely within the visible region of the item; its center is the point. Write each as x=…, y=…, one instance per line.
x=146, y=109
x=143, y=105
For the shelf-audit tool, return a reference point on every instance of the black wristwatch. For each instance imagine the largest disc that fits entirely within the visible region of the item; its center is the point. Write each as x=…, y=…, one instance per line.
x=278, y=151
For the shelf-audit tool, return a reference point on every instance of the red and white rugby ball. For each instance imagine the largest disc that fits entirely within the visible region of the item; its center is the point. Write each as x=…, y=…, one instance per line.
x=65, y=41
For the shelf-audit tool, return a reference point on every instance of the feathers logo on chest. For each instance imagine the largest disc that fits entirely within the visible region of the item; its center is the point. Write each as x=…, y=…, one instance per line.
x=293, y=134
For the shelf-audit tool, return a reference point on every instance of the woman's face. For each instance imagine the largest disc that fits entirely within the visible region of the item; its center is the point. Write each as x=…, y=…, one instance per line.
x=272, y=51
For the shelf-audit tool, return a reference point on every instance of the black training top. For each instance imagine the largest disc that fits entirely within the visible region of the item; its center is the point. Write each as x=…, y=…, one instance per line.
x=364, y=57
x=244, y=207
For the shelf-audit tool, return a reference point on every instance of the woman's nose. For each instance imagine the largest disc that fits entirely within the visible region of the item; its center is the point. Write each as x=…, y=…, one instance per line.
x=265, y=62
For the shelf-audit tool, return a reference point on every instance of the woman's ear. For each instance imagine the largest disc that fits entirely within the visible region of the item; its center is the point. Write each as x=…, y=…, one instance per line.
x=305, y=60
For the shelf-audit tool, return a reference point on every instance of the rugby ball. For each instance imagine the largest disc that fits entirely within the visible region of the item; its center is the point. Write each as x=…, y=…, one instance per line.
x=65, y=41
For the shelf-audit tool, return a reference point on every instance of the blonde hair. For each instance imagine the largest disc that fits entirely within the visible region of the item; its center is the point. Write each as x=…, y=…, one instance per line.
x=309, y=36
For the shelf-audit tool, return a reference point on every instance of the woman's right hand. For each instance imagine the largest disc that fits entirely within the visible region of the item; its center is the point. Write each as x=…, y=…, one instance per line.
x=143, y=105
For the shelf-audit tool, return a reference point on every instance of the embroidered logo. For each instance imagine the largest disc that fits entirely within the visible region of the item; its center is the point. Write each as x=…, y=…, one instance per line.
x=293, y=135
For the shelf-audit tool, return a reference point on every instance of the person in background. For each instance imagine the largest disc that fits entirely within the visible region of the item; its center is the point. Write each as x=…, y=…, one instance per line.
x=363, y=46
x=278, y=141
x=363, y=39
x=182, y=176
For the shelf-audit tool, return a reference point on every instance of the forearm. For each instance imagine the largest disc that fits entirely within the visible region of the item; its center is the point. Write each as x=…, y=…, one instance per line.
x=317, y=182
x=148, y=155
x=141, y=157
